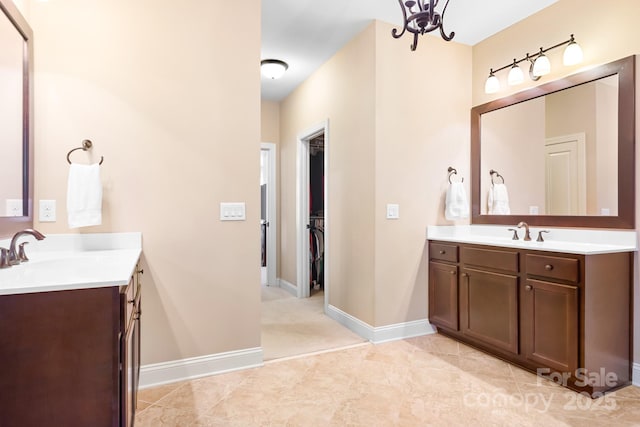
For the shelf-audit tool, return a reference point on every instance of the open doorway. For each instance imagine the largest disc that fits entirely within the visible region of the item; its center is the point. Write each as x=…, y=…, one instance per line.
x=268, y=224
x=312, y=212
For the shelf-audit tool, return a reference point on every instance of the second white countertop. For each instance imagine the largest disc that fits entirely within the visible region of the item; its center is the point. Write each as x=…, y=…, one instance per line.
x=574, y=241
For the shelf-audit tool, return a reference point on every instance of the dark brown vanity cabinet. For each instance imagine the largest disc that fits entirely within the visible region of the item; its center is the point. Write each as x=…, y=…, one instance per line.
x=130, y=312
x=550, y=311
x=565, y=316
x=71, y=357
x=443, y=286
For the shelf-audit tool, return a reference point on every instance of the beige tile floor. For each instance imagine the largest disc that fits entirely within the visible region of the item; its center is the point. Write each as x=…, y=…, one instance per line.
x=293, y=326
x=424, y=381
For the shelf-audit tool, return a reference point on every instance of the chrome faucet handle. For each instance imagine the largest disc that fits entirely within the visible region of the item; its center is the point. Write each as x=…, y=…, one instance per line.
x=540, y=239
x=4, y=258
x=515, y=233
x=22, y=256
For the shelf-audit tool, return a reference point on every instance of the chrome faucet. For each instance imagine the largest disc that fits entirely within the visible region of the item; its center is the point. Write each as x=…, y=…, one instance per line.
x=527, y=236
x=17, y=257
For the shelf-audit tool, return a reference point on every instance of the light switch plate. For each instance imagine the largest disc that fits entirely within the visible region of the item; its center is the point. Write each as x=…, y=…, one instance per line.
x=393, y=211
x=47, y=211
x=232, y=211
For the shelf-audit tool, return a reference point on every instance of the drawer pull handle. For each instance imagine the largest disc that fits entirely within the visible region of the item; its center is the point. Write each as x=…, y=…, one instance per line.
x=528, y=287
x=443, y=252
x=548, y=267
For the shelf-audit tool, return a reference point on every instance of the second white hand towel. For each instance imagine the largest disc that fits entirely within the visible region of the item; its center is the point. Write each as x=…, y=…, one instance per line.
x=499, y=200
x=456, y=204
x=84, y=196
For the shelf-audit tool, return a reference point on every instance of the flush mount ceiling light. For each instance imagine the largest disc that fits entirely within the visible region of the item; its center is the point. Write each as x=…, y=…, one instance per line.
x=421, y=17
x=273, y=68
x=539, y=65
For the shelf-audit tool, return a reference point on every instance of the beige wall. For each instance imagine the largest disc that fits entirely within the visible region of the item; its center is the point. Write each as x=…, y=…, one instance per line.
x=603, y=36
x=270, y=121
x=422, y=127
x=392, y=135
x=150, y=83
x=343, y=92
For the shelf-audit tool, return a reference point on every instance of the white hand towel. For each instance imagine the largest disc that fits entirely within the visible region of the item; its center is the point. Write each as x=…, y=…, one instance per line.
x=456, y=205
x=498, y=200
x=84, y=195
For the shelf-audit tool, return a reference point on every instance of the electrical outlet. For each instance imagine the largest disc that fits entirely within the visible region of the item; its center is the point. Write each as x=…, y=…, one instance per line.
x=13, y=207
x=47, y=211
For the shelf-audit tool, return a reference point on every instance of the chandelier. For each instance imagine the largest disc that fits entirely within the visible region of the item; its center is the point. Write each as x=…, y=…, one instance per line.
x=421, y=19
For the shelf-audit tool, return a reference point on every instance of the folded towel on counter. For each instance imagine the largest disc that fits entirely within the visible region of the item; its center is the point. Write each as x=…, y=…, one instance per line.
x=499, y=200
x=84, y=196
x=456, y=204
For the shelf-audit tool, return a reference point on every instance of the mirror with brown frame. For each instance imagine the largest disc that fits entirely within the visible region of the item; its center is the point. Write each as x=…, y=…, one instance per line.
x=16, y=121
x=565, y=150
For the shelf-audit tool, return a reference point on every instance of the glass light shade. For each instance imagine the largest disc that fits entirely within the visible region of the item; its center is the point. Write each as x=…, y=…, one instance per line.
x=572, y=54
x=541, y=66
x=515, y=76
x=273, y=68
x=492, y=85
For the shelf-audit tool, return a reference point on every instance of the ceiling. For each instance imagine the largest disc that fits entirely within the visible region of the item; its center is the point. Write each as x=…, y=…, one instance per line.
x=306, y=33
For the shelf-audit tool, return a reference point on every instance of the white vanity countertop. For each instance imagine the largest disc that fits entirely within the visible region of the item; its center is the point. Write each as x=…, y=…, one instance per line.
x=568, y=240
x=73, y=261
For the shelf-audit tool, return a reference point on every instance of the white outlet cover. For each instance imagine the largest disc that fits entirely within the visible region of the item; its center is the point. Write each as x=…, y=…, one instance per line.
x=47, y=211
x=13, y=207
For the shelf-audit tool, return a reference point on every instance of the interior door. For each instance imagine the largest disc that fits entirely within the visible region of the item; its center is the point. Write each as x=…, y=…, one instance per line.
x=565, y=178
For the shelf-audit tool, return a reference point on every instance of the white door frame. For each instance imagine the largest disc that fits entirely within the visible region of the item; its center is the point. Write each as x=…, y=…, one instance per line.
x=272, y=211
x=302, y=211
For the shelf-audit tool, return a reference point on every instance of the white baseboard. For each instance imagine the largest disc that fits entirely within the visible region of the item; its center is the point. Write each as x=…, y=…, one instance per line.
x=635, y=374
x=195, y=367
x=381, y=334
x=289, y=287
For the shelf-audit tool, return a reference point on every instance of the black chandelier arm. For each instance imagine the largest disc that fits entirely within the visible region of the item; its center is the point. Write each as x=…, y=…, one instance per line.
x=444, y=36
x=414, y=45
x=394, y=32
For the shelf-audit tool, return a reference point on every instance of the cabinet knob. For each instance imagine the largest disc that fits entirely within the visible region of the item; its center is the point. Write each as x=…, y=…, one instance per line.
x=453, y=272
x=528, y=287
x=443, y=252
x=548, y=267
x=465, y=275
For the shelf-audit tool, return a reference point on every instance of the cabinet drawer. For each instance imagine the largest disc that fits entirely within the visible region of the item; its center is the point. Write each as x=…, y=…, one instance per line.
x=443, y=252
x=554, y=267
x=491, y=258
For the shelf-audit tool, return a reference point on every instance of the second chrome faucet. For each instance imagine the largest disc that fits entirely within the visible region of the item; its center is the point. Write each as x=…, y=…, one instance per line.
x=527, y=235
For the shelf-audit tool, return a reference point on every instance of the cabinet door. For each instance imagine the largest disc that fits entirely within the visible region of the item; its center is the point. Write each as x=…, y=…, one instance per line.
x=550, y=325
x=489, y=308
x=443, y=295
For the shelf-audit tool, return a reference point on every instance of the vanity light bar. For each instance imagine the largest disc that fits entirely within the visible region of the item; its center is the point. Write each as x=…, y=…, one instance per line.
x=539, y=65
